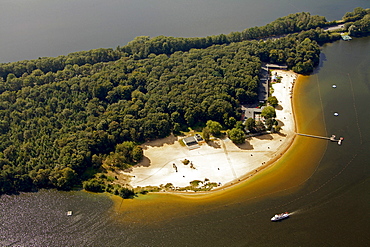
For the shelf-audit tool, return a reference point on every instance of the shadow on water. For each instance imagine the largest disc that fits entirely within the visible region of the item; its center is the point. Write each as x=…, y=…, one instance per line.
x=322, y=61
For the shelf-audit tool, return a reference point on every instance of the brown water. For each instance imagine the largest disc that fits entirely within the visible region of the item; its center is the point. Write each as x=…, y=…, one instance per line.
x=326, y=186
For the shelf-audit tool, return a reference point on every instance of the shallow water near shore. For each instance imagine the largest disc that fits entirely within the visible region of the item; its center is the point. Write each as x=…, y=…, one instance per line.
x=325, y=185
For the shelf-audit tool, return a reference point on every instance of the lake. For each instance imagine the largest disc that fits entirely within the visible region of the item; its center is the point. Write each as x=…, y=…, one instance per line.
x=36, y=28
x=325, y=185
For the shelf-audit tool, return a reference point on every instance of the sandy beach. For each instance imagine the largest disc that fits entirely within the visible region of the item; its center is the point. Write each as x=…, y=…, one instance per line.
x=220, y=161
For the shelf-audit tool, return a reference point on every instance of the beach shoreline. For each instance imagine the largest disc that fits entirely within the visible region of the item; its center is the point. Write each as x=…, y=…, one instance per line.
x=220, y=161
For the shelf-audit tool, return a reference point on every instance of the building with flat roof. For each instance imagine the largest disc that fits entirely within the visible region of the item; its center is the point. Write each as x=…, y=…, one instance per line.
x=263, y=87
x=254, y=113
x=191, y=142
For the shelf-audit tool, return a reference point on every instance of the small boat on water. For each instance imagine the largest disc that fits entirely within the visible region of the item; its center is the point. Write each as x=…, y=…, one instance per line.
x=278, y=217
x=69, y=213
x=340, y=141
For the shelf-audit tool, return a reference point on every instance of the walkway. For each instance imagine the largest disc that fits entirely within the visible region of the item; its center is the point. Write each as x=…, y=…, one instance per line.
x=332, y=138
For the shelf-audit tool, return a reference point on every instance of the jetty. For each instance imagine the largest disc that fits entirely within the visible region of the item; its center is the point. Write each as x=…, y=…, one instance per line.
x=332, y=138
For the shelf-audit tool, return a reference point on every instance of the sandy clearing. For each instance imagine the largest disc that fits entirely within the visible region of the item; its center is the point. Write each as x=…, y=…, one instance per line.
x=221, y=162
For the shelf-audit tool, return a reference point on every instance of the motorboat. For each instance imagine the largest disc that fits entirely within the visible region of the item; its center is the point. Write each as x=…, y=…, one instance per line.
x=278, y=217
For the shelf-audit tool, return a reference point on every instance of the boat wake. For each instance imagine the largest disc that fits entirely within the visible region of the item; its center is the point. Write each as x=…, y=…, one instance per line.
x=295, y=212
x=282, y=216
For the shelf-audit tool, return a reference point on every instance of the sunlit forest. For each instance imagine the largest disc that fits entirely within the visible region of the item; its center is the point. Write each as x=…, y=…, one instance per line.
x=66, y=118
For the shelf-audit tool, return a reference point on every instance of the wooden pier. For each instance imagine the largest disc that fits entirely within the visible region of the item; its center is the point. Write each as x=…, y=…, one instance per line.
x=332, y=138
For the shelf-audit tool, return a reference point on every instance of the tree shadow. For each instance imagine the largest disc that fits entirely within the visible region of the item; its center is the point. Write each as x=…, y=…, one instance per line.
x=245, y=146
x=281, y=134
x=322, y=60
x=265, y=137
x=171, y=139
x=280, y=123
x=145, y=162
x=279, y=107
x=214, y=144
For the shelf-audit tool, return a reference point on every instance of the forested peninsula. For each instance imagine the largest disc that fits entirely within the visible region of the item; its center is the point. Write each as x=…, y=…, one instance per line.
x=66, y=120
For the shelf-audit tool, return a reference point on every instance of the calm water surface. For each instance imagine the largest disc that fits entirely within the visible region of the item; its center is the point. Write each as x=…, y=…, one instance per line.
x=35, y=28
x=40, y=219
x=325, y=185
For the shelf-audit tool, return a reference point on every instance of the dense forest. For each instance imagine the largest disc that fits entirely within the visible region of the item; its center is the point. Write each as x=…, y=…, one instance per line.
x=64, y=118
x=143, y=46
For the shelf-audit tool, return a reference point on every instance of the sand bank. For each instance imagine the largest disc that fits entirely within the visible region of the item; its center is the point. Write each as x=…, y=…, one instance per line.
x=219, y=161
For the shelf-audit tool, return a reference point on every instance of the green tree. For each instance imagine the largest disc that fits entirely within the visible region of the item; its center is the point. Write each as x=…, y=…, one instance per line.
x=250, y=124
x=94, y=185
x=41, y=178
x=214, y=127
x=126, y=193
x=268, y=112
x=272, y=100
x=206, y=133
x=236, y=135
x=116, y=161
x=231, y=122
x=270, y=122
x=260, y=126
x=137, y=154
x=218, y=108
x=63, y=178
x=357, y=13
x=76, y=111
x=240, y=125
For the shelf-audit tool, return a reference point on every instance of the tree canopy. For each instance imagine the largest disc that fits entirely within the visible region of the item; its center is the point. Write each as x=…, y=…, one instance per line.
x=61, y=117
x=236, y=135
x=268, y=112
x=272, y=100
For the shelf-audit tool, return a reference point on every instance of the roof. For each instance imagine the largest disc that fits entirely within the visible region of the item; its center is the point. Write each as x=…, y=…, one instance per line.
x=251, y=112
x=189, y=141
x=263, y=90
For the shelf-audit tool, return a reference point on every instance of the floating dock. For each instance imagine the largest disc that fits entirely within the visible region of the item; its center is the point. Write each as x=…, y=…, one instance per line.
x=346, y=37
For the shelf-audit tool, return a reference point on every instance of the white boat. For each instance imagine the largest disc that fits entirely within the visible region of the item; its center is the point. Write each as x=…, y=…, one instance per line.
x=69, y=213
x=340, y=141
x=278, y=217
